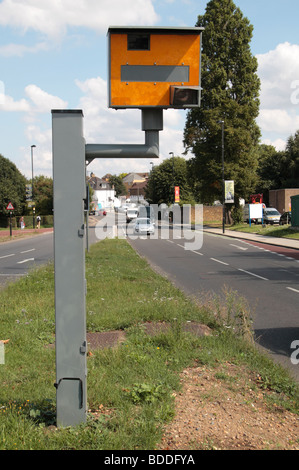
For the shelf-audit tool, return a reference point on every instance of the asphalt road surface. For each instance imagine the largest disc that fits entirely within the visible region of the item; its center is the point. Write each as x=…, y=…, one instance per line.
x=17, y=257
x=267, y=277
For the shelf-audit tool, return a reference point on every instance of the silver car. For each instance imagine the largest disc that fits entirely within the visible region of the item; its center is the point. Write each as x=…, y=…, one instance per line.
x=144, y=226
x=271, y=216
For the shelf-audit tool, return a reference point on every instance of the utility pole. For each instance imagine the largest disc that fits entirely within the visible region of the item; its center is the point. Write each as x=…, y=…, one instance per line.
x=223, y=182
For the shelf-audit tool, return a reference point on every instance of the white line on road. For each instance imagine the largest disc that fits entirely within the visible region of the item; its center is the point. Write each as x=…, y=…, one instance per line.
x=7, y=256
x=218, y=261
x=240, y=247
x=252, y=274
x=291, y=288
x=197, y=253
x=25, y=260
x=27, y=251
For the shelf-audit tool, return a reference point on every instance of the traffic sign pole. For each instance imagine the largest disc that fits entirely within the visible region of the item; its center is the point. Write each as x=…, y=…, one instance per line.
x=10, y=224
x=10, y=208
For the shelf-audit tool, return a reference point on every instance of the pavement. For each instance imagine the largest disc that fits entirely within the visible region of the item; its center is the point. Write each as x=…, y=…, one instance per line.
x=254, y=237
x=6, y=233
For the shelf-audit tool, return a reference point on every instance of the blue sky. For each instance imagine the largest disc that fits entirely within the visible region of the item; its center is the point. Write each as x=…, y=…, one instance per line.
x=53, y=54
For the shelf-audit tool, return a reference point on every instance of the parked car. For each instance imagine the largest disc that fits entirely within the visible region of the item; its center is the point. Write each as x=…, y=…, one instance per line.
x=271, y=216
x=101, y=212
x=144, y=226
x=286, y=218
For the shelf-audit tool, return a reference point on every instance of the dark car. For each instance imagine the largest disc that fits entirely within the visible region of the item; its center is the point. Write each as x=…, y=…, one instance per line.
x=285, y=218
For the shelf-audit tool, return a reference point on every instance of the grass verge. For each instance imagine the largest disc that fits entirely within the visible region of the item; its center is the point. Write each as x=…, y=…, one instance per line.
x=131, y=387
x=280, y=231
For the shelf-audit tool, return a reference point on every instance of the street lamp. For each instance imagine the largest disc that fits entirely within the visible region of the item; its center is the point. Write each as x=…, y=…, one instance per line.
x=171, y=153
x=33, y=209
x=223, y=183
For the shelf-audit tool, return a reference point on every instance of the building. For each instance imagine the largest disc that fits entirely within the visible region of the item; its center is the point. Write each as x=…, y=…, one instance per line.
x=281, y=198
x=104, y=194
x=137, y=190
x=134, y=178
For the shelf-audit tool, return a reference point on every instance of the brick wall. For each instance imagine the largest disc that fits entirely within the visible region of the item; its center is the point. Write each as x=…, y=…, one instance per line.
x=281, y=198
x=210, y=214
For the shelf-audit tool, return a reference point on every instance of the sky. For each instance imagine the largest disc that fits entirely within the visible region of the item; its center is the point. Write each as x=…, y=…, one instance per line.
x=53, y=55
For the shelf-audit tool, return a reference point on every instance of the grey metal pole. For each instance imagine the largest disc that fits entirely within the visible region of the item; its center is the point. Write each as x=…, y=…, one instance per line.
x=173, y=195
x=69, y=262
x=223, y=183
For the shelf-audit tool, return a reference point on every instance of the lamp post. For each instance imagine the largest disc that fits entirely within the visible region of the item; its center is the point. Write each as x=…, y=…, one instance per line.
x=223, y=183
x=33, y=209
x=171, y=153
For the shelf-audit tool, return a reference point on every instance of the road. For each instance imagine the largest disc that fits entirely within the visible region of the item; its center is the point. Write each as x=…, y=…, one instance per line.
x=266, y=276
x=17, y=257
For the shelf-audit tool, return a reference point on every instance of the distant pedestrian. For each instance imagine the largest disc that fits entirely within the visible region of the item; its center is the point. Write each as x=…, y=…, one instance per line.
x=38, y=219
x=22, y=223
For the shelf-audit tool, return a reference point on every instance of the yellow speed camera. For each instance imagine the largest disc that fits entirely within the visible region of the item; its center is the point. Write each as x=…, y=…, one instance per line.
x=154, y=67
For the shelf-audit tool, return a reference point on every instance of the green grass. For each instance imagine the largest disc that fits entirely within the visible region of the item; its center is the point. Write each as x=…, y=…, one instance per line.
x=282, y=231
x=130, y=387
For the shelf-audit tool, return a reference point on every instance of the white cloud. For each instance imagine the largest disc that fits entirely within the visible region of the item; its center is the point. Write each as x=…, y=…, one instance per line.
x=279, y=144
x=53, y=18
x=7, y=103
x=42, y=101
x=39, y=101
x=278, y=120
x=19, y=50
x=278, y=70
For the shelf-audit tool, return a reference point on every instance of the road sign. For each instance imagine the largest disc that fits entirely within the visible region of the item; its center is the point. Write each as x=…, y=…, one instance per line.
x=10, y=207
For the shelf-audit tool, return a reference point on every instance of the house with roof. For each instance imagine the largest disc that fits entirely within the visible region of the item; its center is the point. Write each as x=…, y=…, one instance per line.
x=137, y=190
x=134, y=179
x=103, y=193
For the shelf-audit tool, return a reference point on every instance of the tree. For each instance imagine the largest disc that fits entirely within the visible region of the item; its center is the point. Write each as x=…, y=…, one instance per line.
x=119, y=187
x=230, y=93
x=269, y=170
x=290, y=164
x=43, y=195
x=160, y=186
x=278, y=169
x=12, y=187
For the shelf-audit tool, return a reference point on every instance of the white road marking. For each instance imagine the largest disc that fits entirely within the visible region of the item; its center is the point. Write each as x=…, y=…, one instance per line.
x=218, y=261
x=25, y=260
x=252, y=274
x=239, y=247
x=291, y=288
x=7, y=256
x=27, y=251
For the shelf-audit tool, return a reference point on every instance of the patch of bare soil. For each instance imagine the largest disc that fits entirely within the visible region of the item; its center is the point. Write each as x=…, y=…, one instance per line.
x=224, y=408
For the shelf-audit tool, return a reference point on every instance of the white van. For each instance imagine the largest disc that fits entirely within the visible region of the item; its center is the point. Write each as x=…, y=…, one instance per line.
x=132, y=213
